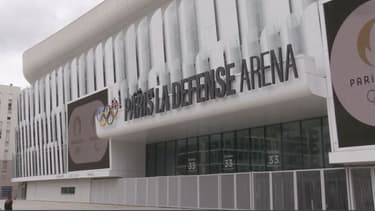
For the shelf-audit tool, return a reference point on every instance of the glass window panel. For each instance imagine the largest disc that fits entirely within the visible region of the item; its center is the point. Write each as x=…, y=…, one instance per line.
x=229, y=152
x=283, y=194
x=292, y=146
x=362, y=190
x=160, y=159
x=262, y=190
x=312, y=144
x=181, y=157
x=192, y=156
x=243, y=155
x=326, y=142
x=171, y=158
x=203, y=155
x=215, y=154
x=258, y=150
x=309, y=191
x=150, y=160
x=335, y=190
x=273, y=147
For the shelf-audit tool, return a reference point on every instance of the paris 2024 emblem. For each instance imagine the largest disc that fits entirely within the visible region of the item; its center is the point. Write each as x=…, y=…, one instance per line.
x=353, y=64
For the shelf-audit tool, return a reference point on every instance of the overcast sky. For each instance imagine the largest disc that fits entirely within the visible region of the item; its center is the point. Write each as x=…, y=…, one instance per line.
x=24, y=23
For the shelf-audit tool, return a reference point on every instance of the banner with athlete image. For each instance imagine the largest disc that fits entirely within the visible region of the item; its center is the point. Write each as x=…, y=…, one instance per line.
x=86, y=151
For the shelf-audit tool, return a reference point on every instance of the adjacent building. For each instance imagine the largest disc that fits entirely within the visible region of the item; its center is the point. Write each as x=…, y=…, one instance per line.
x=8, y=126
x=222, y=104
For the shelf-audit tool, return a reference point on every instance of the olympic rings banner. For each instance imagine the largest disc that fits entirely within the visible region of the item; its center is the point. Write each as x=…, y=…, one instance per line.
x=105, y=115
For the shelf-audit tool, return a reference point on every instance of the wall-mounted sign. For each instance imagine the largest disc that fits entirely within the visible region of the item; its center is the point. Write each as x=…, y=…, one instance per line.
x=350, y=28
x=216, y=83
x=86, y=151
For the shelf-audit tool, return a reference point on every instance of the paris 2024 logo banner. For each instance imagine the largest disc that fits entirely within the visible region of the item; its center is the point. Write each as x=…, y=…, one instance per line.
x=86, y=151
x=351, y=40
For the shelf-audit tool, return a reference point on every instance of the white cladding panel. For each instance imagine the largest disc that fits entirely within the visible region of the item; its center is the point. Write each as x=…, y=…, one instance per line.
x=131, y=60
x=189, y=36
x=250, y=26
x=74, y=79
x=99, y=66
x=53, y=89
x=119, y=56
x=206, y=20
x=109, y=62
x=143, y=50
x=90, y=67
x=228, y=22
x=172, y=42
x=82, y=75
x=157, y=47
x=60, y=90
x=48, y=94
x=67, y=82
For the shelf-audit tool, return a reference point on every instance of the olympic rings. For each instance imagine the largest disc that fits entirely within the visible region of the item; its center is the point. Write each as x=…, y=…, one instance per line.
x=106, y=115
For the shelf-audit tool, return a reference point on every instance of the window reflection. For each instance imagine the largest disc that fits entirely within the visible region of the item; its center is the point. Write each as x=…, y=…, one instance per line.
x=192, y=156
x=273, y=143
x=160, y=159
x=215, y=154
x=292, y=145
x=312, y=144
x=203, y=155
x=243, y=153
x=171, y=158
x=287, y=146
x=181, y=157
x=229, y=152
x=258, y=150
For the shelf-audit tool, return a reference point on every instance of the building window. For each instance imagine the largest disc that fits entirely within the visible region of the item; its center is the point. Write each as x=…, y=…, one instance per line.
x=204, y=159
x=326, y=142
x=10, y=106
x=293, y=147
x=215, y=154
x=68, y=190
x=273, y=147
x=171, y=158
x=150, y=160
x=312, y=143
x=181, y=157
x=192, y=156
x=229, y=152
x=160, y=159
x=300, y=144
x=243, y=153
x=258, y=149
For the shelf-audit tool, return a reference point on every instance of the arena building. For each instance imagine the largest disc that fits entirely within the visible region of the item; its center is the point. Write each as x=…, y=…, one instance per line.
x=222, y=104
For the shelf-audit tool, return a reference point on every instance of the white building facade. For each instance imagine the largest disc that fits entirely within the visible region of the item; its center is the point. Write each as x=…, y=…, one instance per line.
x=8, y=126
x=216, y=104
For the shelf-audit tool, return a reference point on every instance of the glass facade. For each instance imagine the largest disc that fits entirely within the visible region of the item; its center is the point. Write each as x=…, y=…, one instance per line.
x=302, y=144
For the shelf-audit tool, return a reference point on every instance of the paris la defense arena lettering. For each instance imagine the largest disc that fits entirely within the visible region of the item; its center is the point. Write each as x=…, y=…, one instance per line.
x=215, y=83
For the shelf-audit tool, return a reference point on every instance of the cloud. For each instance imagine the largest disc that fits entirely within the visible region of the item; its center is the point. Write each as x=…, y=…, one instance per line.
x=24, y=23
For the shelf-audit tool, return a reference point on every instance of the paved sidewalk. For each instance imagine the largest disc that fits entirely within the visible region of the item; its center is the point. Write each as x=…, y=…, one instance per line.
x=43, y=205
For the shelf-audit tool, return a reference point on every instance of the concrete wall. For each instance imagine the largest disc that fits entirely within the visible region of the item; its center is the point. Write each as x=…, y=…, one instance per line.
x=128, y=158
x=51, y=190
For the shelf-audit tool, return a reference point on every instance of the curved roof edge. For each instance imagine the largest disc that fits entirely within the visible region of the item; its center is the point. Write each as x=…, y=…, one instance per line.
x=99, y=23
